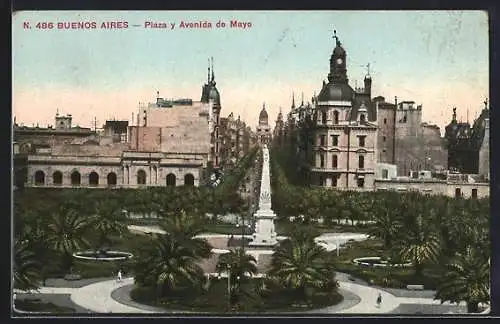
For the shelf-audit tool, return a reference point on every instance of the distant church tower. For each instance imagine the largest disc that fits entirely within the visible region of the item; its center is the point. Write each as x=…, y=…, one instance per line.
x=263, y=129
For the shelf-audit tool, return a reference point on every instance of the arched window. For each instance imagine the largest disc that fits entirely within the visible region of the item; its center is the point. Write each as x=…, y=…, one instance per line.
x=362, y=118
x=93, y=179
x=335, y=117
x=171, y=179
x=39, y=178
x=111, y=179
x=141, y=177
x=334, y=181
x=76, y=179
x=57, y=178
x=189, y=180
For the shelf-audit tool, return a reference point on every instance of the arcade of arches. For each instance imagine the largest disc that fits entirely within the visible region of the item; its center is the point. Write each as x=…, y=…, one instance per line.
x=40, y=179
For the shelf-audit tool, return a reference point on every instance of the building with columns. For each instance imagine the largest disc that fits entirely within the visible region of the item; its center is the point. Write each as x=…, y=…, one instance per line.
x=344, y=130
x=263, y=128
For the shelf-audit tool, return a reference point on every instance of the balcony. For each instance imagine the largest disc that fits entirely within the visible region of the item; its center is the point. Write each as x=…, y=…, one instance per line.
x=364, y=170
x=329, y=170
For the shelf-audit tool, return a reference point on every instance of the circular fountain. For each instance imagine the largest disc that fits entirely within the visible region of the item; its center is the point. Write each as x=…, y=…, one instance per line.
x=102, y=255
x=379, y=262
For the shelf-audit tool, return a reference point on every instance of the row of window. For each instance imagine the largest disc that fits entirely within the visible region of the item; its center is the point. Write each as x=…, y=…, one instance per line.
x=324, y=117
x=322, y=159
x=334, y=140
x=458, y=193
x=93, y=177
x=360, y=182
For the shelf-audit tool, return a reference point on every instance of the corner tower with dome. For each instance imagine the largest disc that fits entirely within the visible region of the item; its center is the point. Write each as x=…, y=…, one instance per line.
x=345, y=130
x=210, y=94
x=263, y=128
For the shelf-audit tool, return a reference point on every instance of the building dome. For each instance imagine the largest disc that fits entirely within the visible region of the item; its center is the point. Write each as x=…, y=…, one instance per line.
x=214, y=95
x=339, y=50
x=336, y=92
x=263, y=117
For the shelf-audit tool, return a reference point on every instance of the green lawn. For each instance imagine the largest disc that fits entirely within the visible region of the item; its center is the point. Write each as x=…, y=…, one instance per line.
x=215, y=299
x=385, y=277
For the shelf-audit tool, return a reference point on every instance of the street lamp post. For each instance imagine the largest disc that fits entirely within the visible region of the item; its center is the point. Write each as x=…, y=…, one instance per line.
x=229, y=285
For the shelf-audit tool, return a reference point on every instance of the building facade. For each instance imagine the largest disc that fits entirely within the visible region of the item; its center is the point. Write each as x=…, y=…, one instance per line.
x=344, y=130
x=468, y=146
x=235, y=140
x=171, y=144
x=405, y=140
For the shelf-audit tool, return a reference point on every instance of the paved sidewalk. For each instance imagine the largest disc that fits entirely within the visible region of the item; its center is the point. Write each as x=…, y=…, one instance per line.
x=97, y=297
x=359, y=298
x=368, y=303
x=48, y=290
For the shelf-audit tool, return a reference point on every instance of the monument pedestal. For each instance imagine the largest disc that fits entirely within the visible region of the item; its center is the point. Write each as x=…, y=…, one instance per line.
x=265, y=233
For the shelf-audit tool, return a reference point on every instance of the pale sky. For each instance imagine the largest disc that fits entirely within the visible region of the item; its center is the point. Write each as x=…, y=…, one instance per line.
x=438, y=59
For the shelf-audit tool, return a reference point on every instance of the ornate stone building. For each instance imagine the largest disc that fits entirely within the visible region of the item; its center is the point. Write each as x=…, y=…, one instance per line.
x=344, y=131
x=263, y=128
x=468, y=147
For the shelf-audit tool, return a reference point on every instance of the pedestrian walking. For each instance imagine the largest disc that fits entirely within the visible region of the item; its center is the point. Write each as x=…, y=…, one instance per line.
x=119, y=276
x=379, y=300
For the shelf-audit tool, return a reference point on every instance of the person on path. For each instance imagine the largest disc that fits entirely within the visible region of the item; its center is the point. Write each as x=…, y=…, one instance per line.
x=119, y=276
x=379, y=300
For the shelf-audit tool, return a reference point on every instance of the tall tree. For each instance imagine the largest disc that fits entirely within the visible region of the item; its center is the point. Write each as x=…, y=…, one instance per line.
x=300, y=265
x=168, y=265
x=185, y=228
x=419, y=242
x=107, y=220
x=26, y=266
x=467, y=279
x=67, y=233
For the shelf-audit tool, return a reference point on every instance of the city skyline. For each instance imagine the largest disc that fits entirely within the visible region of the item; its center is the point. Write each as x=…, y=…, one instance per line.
x=437, y=59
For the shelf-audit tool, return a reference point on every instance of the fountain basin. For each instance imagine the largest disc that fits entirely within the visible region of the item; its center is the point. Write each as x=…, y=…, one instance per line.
x=330, y=240
x=102, y=255
x=378, y=262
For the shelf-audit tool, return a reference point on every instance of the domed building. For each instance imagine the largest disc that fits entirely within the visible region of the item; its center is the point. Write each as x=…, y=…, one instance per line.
x=345, y=130
x=263, y=129
x=210, y=93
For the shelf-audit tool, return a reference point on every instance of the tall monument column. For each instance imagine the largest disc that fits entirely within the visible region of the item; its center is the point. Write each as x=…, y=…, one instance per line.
x=265, y=233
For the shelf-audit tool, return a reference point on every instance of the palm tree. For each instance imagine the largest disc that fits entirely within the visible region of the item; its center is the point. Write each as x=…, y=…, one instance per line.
x=387, y=220
x=240, y=264
x=26, y=267
x=185, y=229
x=168, y=265
x=67, y=233
x=299, y=264
x=107, y=220
x=466, y=279
x=419, y=242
